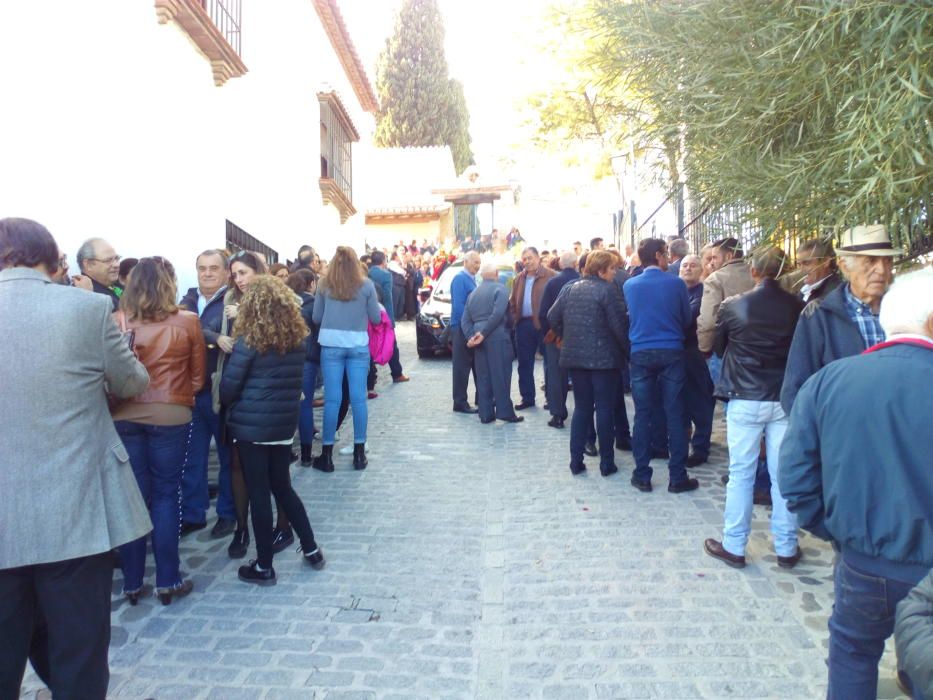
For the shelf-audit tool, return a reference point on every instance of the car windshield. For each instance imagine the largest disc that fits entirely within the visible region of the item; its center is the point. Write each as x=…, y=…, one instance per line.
x=442, y=288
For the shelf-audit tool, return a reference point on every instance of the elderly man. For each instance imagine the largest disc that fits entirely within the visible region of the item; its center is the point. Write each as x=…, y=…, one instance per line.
x=845, y=321
x=678, y=248
x=68, y=493
x=818, y=261
x=483, y=323
x=207, y=301
x=855, y=468
x=100, y=263
x=753, y=335
x=525, y=307
x=556, y=378
x=698, y=391
x=461, y=287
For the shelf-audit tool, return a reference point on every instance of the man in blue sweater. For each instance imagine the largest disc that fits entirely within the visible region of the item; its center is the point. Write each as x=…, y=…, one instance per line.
x=461, y=287
x=659, y=313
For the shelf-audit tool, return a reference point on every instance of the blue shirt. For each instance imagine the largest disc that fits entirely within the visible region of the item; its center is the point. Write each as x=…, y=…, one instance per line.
x=461, y=287
x=526, y=300
x=864, y=318
x=659, y=311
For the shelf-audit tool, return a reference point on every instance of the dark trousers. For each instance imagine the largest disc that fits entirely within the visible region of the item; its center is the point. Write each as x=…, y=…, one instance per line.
x=527, y=340
x=395, y=368
x=654, y=372
x=493, y=361
x=461, y=366
x=622, y=431
x=699, y=401
x=195, y=499
x=593, y=389
x=73, y=599
x=266, y=470
x=862, y=619
x=306, y=409
x=555, y=382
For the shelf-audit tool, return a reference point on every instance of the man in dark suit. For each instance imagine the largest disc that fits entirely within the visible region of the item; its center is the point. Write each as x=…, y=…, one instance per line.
x=69, y=495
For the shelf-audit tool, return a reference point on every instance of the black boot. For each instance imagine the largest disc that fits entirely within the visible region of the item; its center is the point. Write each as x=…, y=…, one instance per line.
x=324, y=462
x=305, y=455
x=359, y=456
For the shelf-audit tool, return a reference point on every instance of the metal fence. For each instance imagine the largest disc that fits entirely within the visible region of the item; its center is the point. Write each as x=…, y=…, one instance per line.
x=238, y=239
x=226, y=15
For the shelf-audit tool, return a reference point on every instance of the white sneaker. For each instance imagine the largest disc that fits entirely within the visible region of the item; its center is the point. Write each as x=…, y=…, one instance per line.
x=348, y=450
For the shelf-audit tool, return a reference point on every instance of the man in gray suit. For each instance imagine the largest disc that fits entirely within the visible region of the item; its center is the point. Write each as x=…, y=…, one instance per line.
x=483, y=324
x=67, y=493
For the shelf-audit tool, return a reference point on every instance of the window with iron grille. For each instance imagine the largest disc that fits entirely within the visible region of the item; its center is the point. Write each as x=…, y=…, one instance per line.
x=226, y=16
x=337, y=137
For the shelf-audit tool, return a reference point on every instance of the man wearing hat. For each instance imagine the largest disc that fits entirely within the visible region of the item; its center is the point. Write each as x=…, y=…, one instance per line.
x=845, y=321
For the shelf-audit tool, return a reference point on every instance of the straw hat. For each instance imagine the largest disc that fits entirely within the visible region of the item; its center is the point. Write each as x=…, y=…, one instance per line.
x=867, y=240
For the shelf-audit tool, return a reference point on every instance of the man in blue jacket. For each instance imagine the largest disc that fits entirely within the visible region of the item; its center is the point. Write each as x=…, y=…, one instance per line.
x=207, y=301
x=382, y=278
x=856, y=469
x=660, y=316
x=555, y=377
x=462, y=285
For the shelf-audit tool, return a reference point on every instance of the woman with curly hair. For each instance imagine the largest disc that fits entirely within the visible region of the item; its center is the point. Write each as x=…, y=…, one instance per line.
x=343, y=307
x=261, y=389
x=154, y=425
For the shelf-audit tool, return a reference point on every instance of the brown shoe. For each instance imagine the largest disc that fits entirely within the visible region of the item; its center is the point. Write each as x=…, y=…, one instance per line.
x=791, y=561
x=317, y=403
x=715, y=549
x=400, y=378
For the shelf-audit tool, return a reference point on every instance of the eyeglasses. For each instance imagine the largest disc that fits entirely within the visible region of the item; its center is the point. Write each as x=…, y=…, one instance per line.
x=107, y=261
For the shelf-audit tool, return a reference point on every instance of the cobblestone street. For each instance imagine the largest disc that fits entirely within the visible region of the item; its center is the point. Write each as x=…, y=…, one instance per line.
x=467, y=562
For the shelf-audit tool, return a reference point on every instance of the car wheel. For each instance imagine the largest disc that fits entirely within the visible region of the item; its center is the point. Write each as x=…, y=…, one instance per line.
x=424, y=354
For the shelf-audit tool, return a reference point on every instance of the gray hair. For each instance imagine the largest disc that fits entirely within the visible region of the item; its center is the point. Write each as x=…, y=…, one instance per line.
x=210, y=252
x=472, y=255
x=679, y=247
x=691, y=257
x=87, y=251
x=568, y=260
x=908, y=305
x=489, y=269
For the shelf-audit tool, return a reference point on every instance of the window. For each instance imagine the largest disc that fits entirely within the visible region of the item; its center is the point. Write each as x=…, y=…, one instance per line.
x=337, y=137
x=214, y=27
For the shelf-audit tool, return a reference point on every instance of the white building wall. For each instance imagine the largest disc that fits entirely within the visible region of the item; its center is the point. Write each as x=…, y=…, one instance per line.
x=111, y=126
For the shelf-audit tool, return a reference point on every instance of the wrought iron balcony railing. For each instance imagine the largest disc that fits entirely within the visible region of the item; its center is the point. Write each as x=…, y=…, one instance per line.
x=226, y=15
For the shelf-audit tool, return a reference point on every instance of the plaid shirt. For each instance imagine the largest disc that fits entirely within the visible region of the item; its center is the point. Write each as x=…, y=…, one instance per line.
x=868, y=326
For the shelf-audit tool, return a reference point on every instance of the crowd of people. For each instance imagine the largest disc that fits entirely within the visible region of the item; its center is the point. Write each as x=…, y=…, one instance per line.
x=114, y=394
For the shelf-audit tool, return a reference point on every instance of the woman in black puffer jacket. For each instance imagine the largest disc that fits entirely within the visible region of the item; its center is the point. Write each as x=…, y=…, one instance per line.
x=261, y=388
x=590, y=317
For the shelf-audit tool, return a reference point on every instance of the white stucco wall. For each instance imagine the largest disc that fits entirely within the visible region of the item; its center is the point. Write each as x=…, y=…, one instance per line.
x=111, y=126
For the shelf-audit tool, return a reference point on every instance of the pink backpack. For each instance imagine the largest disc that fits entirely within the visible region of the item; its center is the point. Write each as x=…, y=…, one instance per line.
x=381, y=339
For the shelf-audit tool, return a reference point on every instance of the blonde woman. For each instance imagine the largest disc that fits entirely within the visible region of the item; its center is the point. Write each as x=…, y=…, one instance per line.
x=261, y=390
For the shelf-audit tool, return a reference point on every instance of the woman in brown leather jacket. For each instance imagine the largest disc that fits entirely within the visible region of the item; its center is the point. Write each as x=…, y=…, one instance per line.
x=154, y=425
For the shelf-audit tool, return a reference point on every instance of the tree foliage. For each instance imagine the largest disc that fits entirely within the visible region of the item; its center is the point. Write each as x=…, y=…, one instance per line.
x=811, y=113
x=419, y=104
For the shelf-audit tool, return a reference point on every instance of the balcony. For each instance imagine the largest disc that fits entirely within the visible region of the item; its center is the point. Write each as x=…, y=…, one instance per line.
x=214, y=27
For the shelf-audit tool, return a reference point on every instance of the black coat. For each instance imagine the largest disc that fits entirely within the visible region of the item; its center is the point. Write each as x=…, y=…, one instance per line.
x=753, y=335
x=261, y=393
x=210, y=326
x=591, y=318
x=552, y=290
x=313, y=350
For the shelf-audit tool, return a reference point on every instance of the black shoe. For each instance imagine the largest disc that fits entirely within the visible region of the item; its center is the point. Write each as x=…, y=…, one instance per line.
x=315, y=558
x=239, y=545
x=513, y=419
x=465, y=408
x=252, y=574
x=487, y=421
x=305, y=455
x=696, y=460
x=281, y=539
x=324, y=462
x=165, y=595
x=590, y=449
x=524, y=404
x=359, y=456
x=608, y=470
x=683, y=486
x=188, y=528
x=556, y=422
x=725, y=479
x=223, y=527
x=294, y=457
x=546, y=407
x=660, y=454
x=577, y=468
x=644, y=486
x=791, y=561
x=761, y=498
x=624, y=445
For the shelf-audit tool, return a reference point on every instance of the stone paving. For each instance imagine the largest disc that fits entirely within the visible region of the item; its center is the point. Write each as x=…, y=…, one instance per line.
x=467, y=562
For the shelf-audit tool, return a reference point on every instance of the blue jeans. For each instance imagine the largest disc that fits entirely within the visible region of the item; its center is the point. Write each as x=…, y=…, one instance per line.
x=355, y=362
x=157, y=455
x=527, y=340
x=195, y=500
x=306, y=410
x=657, y=372
x=862, y=619
x=714, y=364
x=746, y=422
x=593, y=389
